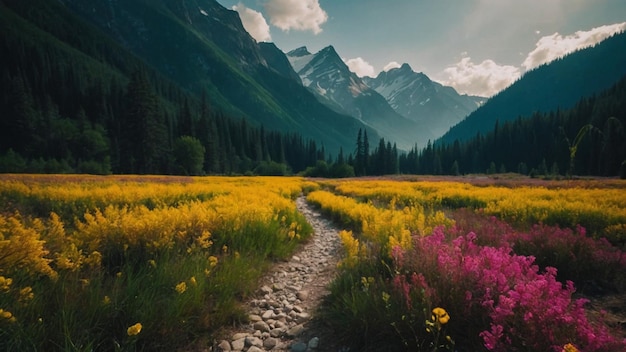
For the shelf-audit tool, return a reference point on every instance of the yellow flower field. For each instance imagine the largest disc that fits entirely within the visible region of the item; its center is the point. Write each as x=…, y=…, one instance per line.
x=147, y=261
x=600, y=207
x=192, y=241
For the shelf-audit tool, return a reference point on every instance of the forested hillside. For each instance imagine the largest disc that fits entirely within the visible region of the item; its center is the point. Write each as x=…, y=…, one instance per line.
x=557, y=85
x=75, y=101
x=202, y=46
x=589, y=139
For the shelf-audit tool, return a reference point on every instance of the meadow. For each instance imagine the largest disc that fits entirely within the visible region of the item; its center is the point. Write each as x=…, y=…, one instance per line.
x=476, y=265
x=135, y=263
x=126, y=263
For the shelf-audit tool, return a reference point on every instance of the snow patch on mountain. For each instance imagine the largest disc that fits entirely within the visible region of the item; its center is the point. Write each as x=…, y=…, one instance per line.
x=418, y=98
x=330, y=79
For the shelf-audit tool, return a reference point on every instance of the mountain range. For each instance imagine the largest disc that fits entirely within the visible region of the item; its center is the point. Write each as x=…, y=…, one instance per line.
x=203, y=46
x=331, y=81
x=403, y=106
x=417, y=97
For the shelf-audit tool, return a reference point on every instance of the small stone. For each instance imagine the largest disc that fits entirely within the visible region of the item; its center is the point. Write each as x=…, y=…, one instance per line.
x=302, y=317
x=224, y=346
x=298, y=309
x=314, y=343
x=299, y=347
x=273, y=304
x=266, y=290
x=295, y=258
x=254, y=318
x=253, y=341
x=270, y=343
x=303, y=295
x=239, y=336
x=295, y=331
x=278, y=332
x=254, y=349
x=261, y=326
x=278, y=286
x=268, y=315
x=238, y=345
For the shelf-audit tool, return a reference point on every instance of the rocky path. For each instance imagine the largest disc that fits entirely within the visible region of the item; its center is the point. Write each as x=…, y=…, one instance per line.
x=280, y=315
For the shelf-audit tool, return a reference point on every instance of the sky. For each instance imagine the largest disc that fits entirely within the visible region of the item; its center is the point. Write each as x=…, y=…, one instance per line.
x=479, y=47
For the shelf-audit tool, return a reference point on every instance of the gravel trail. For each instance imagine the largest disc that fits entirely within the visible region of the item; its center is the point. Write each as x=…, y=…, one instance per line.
x=280, y=316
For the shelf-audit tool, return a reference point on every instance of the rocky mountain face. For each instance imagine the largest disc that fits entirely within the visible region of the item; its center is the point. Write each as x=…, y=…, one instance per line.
x=418, y=98
x=329, y=78
x=277, y=61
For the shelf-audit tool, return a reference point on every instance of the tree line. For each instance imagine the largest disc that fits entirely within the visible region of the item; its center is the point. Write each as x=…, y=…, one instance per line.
x=588, y=139
x=540, y=144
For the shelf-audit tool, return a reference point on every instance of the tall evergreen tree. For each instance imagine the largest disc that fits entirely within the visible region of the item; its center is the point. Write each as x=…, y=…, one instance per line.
x=145, y=133
x=359, y=159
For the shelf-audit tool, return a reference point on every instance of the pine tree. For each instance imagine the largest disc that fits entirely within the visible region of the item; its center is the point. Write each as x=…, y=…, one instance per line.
x=143, y=149
x=359, y=159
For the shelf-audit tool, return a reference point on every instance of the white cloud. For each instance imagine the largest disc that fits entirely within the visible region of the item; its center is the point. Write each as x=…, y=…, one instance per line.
x=391, y=65
x=484, y=79
x=301, y=15
x=555, y=46
x=361, y=67
x=254, y=23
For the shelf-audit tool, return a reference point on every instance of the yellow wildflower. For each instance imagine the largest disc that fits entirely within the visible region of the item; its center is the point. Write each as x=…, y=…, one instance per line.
x=94, y=260
x=106, y=300
x=5, y=283
x=193, y=281
x=212, y=261
x=5, y=314
x=134, y=329
x=181, y=287
x=440, y=315
x=152, y=263
x=26, y=294
x=569, y=348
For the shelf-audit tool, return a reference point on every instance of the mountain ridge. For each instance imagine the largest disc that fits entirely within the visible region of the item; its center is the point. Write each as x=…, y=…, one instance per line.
x=329, y=78
x=206, y=48
x=415, y=96
x=552, y=86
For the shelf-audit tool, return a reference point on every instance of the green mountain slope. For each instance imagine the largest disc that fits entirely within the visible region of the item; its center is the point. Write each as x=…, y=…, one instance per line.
x=75, y=100
x=559, y=84
x=202, y=46
x=542, y=143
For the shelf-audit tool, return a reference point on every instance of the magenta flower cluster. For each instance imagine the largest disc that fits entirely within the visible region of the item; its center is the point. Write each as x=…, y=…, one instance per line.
x=505, y=296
